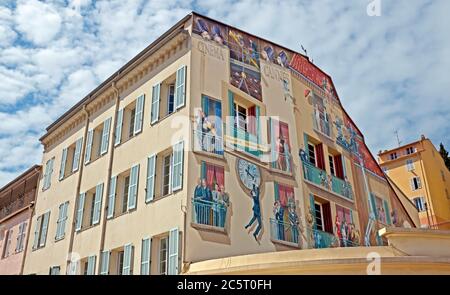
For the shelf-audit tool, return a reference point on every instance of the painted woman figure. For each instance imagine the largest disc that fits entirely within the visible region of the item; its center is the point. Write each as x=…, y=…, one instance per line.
x=215, y=206
x=280, y=146
x=338, y=229
x=256, y=211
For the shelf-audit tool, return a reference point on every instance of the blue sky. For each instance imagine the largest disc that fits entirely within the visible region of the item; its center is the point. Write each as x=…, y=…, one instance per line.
x=391, y=71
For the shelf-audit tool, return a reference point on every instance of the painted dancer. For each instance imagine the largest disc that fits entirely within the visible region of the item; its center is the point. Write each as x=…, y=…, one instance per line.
x=256, y=211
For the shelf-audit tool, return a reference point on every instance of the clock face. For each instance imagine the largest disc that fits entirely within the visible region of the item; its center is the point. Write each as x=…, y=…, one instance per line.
x=249, y=173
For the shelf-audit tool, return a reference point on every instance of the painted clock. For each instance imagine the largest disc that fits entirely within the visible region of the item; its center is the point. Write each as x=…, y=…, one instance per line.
x=249, y=173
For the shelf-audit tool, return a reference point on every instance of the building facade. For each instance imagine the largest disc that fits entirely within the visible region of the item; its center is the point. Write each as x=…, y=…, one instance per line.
x=420, y=172
x=210, y=143
x=17, y=199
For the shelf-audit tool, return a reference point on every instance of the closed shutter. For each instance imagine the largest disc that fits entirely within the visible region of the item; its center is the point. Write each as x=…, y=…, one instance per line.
x=127, y=259
x=48, y=173
x=91, y=265
x=44, y=230
x=80, y=210
x=150, y=190
x=105, y=136
x=145, y=256
x=373, y=207
x=156, y=95
x=132, y=189
x=62, y=168
x=313, y=211
x=139, y=114
x=104, y=263
x=37, y=230
x=76, y=155
x=387, y=212
x=112, y=197
x=180, y=87
x=177, y=171
x=119, y=124
x=87, y=154
x=172, y=268
x=97, y=203
x=59, y=221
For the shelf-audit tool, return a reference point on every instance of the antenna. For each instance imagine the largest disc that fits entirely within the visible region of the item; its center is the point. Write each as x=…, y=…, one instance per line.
x=398, y=139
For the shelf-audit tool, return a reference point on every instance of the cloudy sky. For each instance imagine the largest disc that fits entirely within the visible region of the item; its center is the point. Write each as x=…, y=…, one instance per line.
x=391, y=71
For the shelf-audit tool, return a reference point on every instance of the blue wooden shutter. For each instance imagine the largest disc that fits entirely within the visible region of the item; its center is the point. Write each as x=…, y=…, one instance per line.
x=105, y=136
x=87, y=154
x=37, y=229
x=180, y=87
x=387, y=212
x=138, y=118
x=119, y=123
x=145, y=256
x=373, y=207
x=151, y=163
x=91, y=265
x=112, y=197
x=97, y=203
x=104, y=270
x=77, y=154
x=172, y=268
x=127, y=259
x=44, y=230
x=80, y=211
x=156, y=96
x=133, y=188
x=62, y=168
x=177, y=171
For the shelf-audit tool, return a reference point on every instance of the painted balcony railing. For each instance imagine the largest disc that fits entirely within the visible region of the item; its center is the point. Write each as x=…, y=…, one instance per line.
x=282, y=161
x=329, y=182
x=348, y=243
x=242, y=140
x=209, y=213
x=207, y=142
x=322, y=239
x=320, y=124
x=284, y=232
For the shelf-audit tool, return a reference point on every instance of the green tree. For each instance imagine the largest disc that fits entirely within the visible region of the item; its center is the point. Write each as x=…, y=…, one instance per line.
x=444, y=154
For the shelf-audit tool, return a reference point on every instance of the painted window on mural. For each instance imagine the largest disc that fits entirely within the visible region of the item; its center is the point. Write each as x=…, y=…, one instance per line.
x=280, y=144
x=285, y=220
x=383, y=213
x=211, y=201
x=208, y=131
x=321, y=119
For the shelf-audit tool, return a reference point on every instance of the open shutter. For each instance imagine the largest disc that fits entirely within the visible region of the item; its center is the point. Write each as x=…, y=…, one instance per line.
x=91, y=265
x=132, y=189
x=387, y=212
x=62, y=168
x=320, y=157
x=139, y=114
x=145, y=256
x=87, y=154
x=97, y=203
x=172, y=268
x=313, y=211
x=105, y=136
x=112, y=197
x=76, y=155
x=105, y=263
x=44, y=230
x=373, y=207
x=62, y=220
x=119, y=123
x=177, y=171
x=80, y=210
x=36, y=232
x=180, y=87
x=59, y=222
x=419, y=183
x=127, y=259
x=150, y=190
x=156, y=95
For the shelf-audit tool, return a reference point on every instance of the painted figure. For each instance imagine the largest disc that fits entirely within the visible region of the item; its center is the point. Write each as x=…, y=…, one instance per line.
x=294, y=222
x=268, y=53
x=287, y=156
x=278, y=213
x=281, y=161
x=282, y=59
x=256, y=211
x=338, y=228
x=225, y=202
x=216, y=34
x=216, y=206
x=202, y=27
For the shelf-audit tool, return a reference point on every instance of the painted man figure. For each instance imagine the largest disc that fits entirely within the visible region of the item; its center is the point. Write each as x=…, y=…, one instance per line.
x=256, y=211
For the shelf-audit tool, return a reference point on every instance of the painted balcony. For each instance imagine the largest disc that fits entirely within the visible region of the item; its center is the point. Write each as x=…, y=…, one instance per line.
x=328, y=182
x=242, y=140
x=322, y=239
x=284, y=233
x=207, y=142
x=321, y=125
x=209, y=214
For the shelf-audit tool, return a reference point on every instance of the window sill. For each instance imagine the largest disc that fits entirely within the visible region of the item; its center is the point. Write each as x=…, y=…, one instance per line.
x=211, y=154
x=60, y=238
x=167, y=116
x=285, y=243
x=122, y=214
x=209, y=228
x=96, y=159
x=68, y=175
x=328, y=191
x=87, y=228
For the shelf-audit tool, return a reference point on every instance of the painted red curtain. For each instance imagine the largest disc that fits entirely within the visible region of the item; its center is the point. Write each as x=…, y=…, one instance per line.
x=252, y=120
x=220, y=176
x=284, y=132
x=343, y=213
x=339, y=170
x=284, y=194
x=319, y=156
x=210, y=175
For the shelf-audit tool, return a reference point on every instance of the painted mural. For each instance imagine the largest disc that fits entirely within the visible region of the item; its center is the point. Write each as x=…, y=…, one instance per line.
x=208, y=127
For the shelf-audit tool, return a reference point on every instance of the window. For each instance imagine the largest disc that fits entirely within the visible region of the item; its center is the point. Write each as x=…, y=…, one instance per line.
x=89, y=208
x=312, y=154
x=393, y=156
x=208, y=128
x=163, y=243
x=105, y=255
x=410, y=165
x=132, y=119
x=420, y=203
x=331, y=162
x=166, y=172
x=8, y=237
x=240, y=117
x=321, y=211
x=129, y=118
x=40, y=230
x=170, y=99
x=55, y=270
x=416, y=183
x=319, y=216
x=48, y=174
x=21, y=237
x=280, y=144
x=97, y=141
x=126, y=187
x=70, y=159
x=120, y=257
x=321, y=119
x=89, y=268
x=410, y=150
x=61, y=222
